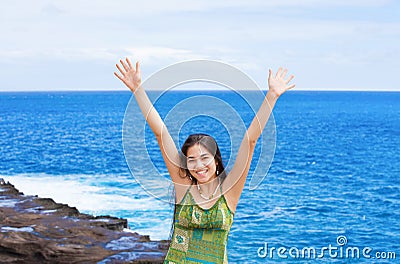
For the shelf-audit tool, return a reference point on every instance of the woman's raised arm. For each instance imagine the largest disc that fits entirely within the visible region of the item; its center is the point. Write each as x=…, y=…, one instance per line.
x=131, y=77
x=236, y=179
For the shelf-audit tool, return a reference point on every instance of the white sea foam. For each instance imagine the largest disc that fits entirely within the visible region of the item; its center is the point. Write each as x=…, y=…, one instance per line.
x=80, y=191
x=16, y=229
x=8, y=203
x=158, y=230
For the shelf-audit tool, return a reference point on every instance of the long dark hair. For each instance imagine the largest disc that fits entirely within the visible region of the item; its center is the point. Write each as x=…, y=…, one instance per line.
x=211, y=145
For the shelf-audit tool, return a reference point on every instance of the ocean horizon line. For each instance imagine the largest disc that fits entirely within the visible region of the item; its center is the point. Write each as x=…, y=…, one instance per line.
x=200, y=90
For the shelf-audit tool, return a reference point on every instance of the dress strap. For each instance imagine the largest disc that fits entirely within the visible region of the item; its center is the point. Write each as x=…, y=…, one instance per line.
x=220, y=185
x=187, y=191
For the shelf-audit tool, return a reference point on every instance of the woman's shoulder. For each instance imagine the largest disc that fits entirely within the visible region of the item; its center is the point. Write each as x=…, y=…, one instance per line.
x=181, y=191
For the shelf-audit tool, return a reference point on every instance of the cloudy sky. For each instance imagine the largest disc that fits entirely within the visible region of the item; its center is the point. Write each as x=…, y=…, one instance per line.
x=74, y=45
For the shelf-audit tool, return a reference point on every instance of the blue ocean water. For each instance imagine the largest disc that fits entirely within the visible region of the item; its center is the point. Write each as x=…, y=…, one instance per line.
x=334, y=175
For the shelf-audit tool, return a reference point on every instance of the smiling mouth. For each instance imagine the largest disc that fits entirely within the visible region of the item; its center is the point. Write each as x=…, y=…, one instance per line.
x=202, y=172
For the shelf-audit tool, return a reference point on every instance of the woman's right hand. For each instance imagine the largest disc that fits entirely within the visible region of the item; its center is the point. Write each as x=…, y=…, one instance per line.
x=129, y=75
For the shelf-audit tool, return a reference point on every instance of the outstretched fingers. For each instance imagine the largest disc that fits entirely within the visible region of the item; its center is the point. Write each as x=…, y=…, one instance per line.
x=129, y=63
x=119, y=76
x=287, y=82
x=278, y=73
x=124, y=65
x=130, y=66
x=291, y=86
x=138, y=67
x=289, y=79
x=120, y=70
x=284, y=73
x=122, y=74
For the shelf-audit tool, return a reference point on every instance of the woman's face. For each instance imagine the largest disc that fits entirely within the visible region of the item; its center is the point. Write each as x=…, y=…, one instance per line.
x=201, y=163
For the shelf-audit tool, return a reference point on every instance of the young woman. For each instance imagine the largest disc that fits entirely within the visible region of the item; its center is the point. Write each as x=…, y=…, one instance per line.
x=206, y=195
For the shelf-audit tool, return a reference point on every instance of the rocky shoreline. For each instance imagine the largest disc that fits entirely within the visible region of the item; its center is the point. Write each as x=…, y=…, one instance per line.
x=39, y=230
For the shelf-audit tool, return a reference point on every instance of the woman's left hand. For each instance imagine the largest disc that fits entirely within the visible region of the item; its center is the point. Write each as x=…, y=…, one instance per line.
x=277, y=84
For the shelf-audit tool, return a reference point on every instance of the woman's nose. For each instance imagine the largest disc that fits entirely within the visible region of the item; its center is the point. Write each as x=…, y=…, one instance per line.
x=199, y=164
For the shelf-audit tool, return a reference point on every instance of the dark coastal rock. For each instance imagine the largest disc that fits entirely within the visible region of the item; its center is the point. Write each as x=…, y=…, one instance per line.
x=39, y=230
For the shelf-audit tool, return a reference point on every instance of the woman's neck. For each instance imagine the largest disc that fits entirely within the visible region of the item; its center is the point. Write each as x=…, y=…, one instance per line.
x=209, y=188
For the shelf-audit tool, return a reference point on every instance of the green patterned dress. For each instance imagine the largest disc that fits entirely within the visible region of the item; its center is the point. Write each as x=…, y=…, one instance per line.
x=200, y=235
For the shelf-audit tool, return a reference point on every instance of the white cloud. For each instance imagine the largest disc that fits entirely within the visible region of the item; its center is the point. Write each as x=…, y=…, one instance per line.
x=106, y=8
x=155, y=53
x=227, y=46
x=246, y=34
x=151, y=54
x=64, y=54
